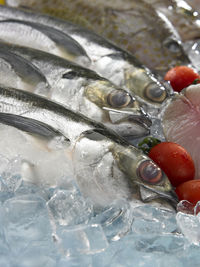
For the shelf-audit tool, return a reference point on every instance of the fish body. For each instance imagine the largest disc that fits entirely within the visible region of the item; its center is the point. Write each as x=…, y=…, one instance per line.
x=106, y=166
x=129, y=24
x=108, y=60
x=79, y=89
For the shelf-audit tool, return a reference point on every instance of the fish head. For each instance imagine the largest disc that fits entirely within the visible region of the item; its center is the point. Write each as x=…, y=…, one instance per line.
x=175, y=54
x=122, y=111
x=103, y=101
x=171, y=52
x=168, y=52
x=158, y=43
x=149, y=182
x=150, y=36
x=142, y=83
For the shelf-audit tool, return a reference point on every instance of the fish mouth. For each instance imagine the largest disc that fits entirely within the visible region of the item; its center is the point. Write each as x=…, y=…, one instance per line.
x=142, y=118
x=138, y=116
x=148, y=194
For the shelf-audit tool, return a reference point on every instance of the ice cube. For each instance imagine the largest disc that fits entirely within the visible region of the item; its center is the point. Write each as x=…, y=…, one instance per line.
x=81, y=239
x=125, y=253
x=25, y=220
x=116, y=221
x=189, y=226
x=27, y=188
x=5, y=261
x=10, y=174
x=82, y=260
x=152, y=220
x=185, y=207
x=130, y=258
x=69, y=208
x=47, y=193
x=189, y=256
x=106, y=257
x=37, y=254
x=166, y=243
x=11, y=177
x=148, y=227
x=197, y=208
x=5, y=195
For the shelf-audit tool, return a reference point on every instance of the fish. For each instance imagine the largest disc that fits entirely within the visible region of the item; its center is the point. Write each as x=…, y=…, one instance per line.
x=43, y=38
x=181, y=15
x=180, y=122
x=129, y=24
x=106, y=166
x=77, y=88
x=108, y=60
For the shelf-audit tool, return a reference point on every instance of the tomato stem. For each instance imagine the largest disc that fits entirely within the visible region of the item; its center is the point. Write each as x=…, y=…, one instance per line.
x=147, y=143
x=196, y=81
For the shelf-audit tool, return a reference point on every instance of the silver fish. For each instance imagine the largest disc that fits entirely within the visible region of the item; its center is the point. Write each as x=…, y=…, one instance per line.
x=82, y=90
x=106, y=166
x=44, y=38
x=108, y=60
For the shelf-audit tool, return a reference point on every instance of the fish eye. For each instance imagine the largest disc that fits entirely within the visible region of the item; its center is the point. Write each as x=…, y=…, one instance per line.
x=69, y=75
x=172, y=45
x=119, y=99
x=150, y=172
x=155, y=93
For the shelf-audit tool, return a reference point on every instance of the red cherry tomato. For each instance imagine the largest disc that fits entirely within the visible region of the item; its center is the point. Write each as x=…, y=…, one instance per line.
x=181, y=77
x=189, y=190
x=175, y=161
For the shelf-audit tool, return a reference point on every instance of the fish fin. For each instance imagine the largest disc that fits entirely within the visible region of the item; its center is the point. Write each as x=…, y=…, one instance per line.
x=29, y=125
x=146, y=195
x=100, y=133
x=93, y=135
